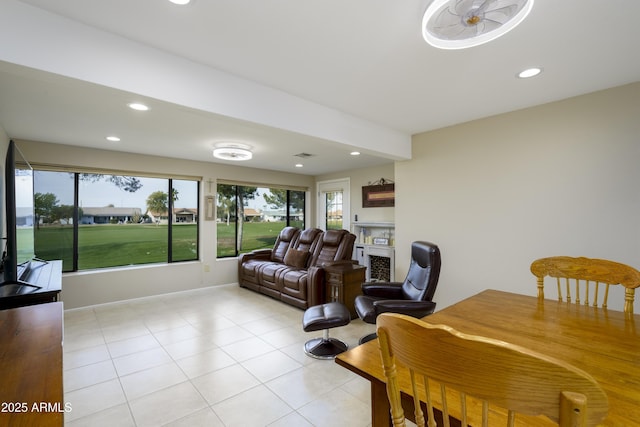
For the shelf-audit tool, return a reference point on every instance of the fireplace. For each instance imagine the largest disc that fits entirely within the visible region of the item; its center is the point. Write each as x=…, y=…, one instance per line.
x=380, y=263
x=380, y=268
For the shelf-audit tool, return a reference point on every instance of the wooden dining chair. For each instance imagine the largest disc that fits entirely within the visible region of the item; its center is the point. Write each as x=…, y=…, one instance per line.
x=456, y=370
x=572, y=272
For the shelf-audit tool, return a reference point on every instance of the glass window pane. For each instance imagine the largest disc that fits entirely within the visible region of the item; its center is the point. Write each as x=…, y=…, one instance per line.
x=54, y=204
x=184, y=232
x=250, y=218
x=123, y=221
x=296, y=208
x=25, y=213
x=263, y=217
x=334, y=210
x=226, y=220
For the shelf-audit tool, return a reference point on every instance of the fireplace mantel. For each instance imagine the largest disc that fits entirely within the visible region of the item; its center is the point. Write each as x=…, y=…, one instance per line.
x=374, y=233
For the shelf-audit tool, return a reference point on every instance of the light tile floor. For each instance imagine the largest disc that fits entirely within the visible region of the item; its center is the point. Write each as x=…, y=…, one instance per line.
x=220, y=356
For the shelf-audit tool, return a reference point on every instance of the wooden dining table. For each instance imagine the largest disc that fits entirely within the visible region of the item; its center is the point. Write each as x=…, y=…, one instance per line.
x=604, y=343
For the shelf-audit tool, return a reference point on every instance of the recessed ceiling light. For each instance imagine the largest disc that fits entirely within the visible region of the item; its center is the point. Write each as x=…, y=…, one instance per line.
x=299, y=165
x=137, y=106
x=355, y=153
x=113, y=138
x=529, y=72
x=180, y=2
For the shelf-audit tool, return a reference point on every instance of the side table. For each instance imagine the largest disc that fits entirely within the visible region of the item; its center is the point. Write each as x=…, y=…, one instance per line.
x=344, y=283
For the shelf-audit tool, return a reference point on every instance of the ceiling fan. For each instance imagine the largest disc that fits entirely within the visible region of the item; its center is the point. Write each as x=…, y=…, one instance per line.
x=458, y=24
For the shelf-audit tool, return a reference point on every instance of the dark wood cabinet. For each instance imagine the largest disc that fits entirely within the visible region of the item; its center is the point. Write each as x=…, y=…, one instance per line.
x=31, y=390
x=344, y=283
x=42, y=285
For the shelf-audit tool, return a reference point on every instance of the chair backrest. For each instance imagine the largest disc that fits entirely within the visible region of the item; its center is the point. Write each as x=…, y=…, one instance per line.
x=572, y=272
x=334, y=245
x=424, y=271
x=449, y=367
x=286, y=238
x=308, y=241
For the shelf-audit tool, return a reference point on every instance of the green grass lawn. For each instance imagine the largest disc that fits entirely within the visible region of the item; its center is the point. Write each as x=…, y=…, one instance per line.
x=113, y=245
x=256, y=235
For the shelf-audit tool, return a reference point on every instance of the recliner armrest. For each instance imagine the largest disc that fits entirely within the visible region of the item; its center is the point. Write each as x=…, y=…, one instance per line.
x=261, y=254
x=391, y=290
x=410, y=308
x=316, y=285
x=340, y=262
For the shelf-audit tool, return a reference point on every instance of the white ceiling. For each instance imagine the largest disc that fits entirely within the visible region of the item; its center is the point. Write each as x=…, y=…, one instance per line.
x=362, y=58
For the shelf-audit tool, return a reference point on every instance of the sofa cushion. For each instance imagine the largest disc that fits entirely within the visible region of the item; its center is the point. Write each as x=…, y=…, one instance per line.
x=294, y=282
x=296, y=258
x=269, y=273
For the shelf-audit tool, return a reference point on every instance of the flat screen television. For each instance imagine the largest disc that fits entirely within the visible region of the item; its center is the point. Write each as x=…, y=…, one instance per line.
x=19, y=248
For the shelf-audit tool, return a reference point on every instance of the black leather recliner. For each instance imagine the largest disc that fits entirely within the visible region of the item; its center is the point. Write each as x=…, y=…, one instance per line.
x=412, y=297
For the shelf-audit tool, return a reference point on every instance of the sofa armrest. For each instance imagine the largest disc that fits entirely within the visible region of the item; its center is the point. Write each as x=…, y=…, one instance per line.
x=261, y=254
x=340, y=262
x=390, y=290
x=316, y=285
x=410, y=308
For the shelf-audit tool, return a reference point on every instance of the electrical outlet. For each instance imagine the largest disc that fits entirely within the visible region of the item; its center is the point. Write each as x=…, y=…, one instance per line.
x=207, y=268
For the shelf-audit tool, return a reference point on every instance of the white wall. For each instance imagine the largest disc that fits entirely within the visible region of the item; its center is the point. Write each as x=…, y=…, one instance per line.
x=498, y=193
x=101, y=286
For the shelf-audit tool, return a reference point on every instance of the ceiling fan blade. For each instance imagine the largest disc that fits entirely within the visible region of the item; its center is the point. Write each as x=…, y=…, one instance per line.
x=502, y=14
x=446, y=18
x=488, y=25
x=454, y=32
x=463, y=6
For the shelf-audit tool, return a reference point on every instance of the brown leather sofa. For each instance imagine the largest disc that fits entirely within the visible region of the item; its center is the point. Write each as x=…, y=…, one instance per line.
x=293, y=270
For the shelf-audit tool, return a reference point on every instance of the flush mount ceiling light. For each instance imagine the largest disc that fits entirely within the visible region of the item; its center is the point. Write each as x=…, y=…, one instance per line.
x=180, y=2
x=232, y=151
x=458, y=24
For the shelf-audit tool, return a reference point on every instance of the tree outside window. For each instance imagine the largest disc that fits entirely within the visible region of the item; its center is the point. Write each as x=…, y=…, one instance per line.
x=250, y=218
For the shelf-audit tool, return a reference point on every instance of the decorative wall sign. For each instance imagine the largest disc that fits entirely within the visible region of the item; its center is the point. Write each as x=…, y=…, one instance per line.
x=209, y=208
x=381, y=194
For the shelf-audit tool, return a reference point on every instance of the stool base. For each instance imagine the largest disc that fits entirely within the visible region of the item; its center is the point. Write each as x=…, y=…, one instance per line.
x=368, y=338
x=324, y=348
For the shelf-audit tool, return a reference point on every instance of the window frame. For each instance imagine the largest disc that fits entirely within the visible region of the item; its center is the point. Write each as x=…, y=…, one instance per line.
x=77, y=172
x=287, y=210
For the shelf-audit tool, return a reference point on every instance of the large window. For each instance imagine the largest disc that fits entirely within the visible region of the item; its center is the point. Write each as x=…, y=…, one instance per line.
x=250, y=218
x=96, y=220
